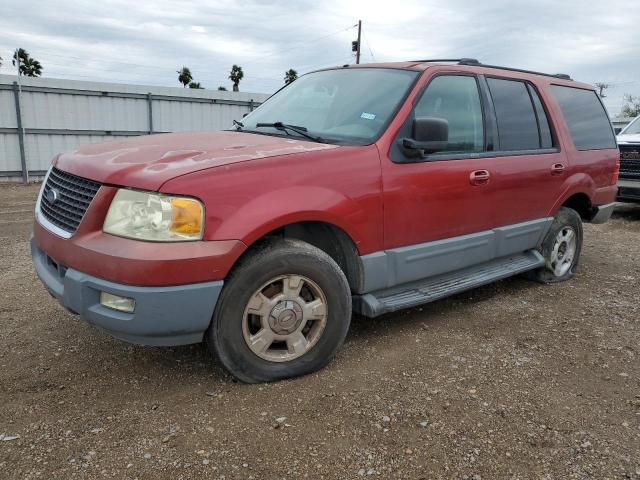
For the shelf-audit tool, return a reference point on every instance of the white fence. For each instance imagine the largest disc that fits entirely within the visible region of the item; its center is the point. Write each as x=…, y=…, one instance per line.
x=48, y=116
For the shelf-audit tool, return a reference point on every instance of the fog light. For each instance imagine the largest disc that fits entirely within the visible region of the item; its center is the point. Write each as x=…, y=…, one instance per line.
x=116, y=302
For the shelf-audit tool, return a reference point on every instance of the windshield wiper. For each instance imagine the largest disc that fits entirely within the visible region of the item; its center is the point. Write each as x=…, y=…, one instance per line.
x=294, y=128
x=238, y=124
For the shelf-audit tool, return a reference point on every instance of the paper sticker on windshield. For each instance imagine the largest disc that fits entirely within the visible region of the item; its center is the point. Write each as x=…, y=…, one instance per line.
x=368, y=116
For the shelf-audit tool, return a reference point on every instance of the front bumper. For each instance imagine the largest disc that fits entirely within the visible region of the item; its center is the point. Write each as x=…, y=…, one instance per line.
x=164, y=315
x=629, y=190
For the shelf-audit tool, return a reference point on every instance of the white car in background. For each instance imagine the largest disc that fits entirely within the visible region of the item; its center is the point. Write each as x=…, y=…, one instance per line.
x=629, y=144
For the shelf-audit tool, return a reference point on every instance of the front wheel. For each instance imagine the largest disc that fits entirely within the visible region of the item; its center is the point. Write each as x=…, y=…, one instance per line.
x=284, y=312
x=561, y=248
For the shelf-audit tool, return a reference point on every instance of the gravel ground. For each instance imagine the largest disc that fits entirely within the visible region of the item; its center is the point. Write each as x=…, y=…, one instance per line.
x=513, y=380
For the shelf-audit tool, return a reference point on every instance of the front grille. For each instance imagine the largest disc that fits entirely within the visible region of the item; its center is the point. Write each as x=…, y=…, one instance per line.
x=65, y=198
x=630, y=161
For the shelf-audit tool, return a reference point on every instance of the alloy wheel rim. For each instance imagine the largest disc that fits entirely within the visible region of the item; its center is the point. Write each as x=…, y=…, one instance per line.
x=563, y=252
x=284, y=318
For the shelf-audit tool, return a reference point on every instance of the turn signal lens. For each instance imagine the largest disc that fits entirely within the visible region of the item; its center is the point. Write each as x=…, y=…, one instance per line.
x=186, y=216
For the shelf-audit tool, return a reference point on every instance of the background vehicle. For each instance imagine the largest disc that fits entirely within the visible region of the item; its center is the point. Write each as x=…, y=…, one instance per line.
x=376, y=187
x=629, y=145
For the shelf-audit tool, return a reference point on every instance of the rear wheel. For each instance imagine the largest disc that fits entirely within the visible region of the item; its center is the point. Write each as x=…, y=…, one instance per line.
x=284, y=312
x=561, y=248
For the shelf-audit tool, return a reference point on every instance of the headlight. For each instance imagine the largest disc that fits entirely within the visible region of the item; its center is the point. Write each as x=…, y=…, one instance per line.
x=154, y=217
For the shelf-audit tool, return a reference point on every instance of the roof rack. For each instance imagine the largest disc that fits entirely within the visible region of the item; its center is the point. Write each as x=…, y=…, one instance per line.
x=473, y=61
x=462, y=61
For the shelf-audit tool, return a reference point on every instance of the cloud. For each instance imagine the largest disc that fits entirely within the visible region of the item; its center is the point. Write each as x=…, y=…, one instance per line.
x=146, y=41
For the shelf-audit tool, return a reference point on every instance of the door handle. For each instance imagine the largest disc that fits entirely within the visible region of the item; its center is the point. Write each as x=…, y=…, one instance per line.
x=557, y=169
x=479, y=177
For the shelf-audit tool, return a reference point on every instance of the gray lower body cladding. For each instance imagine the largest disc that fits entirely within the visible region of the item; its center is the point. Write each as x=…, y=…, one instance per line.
x=441, y=286
x=163, y=316
x=408, y=276
x=398, y=266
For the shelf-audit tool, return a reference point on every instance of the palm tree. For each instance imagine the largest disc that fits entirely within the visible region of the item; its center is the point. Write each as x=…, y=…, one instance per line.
x=196, y=85
x=290, y=76
x=29, y=67
x=184, y=76
x=20, y=54
x=235, y=76
x=222, y=89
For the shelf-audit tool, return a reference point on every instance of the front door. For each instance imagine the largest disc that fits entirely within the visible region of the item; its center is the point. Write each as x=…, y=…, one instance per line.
x=435, y=197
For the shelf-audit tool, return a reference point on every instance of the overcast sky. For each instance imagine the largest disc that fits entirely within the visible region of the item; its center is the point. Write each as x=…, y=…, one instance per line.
x=145, y=42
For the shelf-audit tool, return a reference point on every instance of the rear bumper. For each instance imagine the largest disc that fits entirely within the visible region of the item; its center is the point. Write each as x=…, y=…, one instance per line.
x=602, y=213
x=629, y=190
x=164, y=315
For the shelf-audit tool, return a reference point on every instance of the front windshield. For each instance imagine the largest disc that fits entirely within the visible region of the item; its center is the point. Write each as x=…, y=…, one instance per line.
x=633, y=128
x=350, y=105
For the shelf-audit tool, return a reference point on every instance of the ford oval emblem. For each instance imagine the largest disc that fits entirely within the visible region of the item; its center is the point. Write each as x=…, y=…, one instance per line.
x=52, y=196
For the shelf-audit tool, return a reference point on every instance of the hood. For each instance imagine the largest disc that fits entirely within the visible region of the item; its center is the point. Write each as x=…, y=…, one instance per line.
x=149, y=161
x=628, y=138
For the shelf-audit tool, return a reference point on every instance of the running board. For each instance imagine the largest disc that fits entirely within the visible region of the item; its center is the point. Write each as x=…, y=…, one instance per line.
x=430, y=289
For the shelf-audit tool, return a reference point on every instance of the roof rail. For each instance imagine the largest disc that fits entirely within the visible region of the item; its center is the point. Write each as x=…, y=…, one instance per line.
x=473, y=61
x=563, y=76
x=470, y=61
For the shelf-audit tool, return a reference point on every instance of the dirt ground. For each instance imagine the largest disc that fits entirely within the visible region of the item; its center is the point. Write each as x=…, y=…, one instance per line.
x=513, y=380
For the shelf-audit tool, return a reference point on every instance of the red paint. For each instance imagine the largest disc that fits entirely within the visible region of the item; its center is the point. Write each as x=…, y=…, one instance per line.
x=252, y=184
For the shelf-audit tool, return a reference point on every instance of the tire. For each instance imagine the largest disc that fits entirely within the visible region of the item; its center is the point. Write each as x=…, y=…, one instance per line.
x=258, y=321
x=560, y=248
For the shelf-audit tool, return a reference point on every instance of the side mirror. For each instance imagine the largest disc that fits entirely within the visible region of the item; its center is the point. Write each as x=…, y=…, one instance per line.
x=428, y=134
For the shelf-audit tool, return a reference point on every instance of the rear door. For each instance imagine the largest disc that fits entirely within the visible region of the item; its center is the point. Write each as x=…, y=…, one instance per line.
x=528, y=165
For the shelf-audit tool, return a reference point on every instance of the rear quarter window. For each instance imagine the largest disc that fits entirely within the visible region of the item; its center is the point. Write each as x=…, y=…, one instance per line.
x=586, y=118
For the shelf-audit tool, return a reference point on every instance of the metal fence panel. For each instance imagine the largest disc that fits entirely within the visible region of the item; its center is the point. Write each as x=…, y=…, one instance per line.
x=41, y=148
x=170, y=116
x=80, y=112
x=59, y=115
x=7, y=109
x=9, y=152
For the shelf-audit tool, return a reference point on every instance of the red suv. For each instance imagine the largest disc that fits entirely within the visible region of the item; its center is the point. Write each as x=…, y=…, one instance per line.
x=369, y=188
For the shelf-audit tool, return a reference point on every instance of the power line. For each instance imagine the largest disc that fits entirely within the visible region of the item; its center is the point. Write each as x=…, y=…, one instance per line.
x=309, y=41
x=369, y=46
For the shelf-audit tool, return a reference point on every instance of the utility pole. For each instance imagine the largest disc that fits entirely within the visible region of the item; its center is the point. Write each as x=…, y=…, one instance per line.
x=20, y=129
x=359, y=32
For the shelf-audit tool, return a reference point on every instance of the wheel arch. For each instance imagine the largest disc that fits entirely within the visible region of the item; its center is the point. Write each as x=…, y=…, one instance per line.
x=327, y=236
x=577, y=195
x=581, y=203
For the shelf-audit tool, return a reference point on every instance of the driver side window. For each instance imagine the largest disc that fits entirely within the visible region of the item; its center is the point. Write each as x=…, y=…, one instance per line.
x=456, y=99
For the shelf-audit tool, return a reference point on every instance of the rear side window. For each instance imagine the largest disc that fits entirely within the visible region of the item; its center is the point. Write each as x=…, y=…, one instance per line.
x=515, y=114
x=586, y=117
